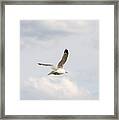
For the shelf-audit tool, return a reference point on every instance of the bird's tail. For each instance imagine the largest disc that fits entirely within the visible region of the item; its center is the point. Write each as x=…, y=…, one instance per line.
x=45, y=64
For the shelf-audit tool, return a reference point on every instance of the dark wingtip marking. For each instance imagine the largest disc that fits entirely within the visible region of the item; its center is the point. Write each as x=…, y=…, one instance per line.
x=66, y=51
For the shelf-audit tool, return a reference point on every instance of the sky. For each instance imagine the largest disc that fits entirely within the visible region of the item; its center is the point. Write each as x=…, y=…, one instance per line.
x=44, y=41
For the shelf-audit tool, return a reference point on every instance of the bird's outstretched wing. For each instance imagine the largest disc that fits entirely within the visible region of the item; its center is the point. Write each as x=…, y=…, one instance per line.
x=64, y=58
x=45, y=64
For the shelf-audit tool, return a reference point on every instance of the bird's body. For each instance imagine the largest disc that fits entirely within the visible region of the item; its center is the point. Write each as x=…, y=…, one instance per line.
x=58, y=70
x=54, y=67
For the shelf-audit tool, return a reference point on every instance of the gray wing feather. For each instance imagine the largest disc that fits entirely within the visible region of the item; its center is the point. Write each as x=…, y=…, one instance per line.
x=64, y=59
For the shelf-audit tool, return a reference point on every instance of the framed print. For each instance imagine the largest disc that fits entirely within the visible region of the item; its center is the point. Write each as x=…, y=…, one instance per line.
x=59, y=59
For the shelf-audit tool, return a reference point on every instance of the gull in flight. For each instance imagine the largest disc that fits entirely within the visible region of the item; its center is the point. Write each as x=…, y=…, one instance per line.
x=58, y=70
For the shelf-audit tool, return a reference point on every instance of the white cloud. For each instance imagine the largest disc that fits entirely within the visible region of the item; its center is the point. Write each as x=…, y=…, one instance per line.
x=56, y=87
x=74, y=26
x=48, y=29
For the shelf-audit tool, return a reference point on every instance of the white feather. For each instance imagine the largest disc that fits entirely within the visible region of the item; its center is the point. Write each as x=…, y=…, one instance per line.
x=54, y=68
x=60, y=70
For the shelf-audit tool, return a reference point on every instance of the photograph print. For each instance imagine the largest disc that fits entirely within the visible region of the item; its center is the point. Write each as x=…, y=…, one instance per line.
x=59, y=59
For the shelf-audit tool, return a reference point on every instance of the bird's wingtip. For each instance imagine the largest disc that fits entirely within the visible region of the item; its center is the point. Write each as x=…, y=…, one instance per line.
x=66, y=50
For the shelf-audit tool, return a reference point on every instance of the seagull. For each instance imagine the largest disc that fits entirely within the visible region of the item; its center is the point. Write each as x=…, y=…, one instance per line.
x=58, y=70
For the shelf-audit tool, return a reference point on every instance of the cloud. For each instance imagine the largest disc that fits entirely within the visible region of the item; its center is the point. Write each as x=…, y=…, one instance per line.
x=47, y=30
x=56, y=87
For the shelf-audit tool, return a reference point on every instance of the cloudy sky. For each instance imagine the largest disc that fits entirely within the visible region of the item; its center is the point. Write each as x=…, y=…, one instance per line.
x=45, y=41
